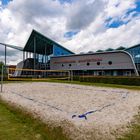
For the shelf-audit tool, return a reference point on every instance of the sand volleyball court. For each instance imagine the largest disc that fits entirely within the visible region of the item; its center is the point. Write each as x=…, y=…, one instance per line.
x=84, y=112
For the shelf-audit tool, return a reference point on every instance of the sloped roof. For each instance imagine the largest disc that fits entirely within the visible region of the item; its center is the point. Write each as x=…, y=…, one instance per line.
x=138, y=45
x=41, y=42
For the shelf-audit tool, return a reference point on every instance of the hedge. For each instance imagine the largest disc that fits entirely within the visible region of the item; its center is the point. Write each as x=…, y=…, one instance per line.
x=5, y=77
x=132, y=81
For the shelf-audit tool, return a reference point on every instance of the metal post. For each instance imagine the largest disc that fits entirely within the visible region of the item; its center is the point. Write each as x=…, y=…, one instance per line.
x=45, y=58
x=5, y=59
x=5, y=54
x=1, y=78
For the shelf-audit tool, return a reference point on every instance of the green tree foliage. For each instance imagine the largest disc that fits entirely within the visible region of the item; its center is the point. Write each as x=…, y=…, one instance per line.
x=1, y=63
x=109, y=49
x=99, y=51
x=121, y=48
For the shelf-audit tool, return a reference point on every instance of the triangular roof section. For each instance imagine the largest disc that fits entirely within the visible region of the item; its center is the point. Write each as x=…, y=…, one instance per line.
x=42, y=43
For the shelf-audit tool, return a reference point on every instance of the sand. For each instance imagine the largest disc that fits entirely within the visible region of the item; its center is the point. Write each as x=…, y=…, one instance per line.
x=84, y=112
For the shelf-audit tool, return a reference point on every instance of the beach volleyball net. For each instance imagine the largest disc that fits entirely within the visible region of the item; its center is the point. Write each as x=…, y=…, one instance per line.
x=31, y=74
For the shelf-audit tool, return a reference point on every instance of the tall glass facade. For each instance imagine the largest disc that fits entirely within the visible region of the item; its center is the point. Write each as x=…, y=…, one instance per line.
x=59, y=51
x=135, y=53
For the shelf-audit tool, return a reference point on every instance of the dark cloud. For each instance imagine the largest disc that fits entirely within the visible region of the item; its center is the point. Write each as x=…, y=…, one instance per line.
x=82, y=14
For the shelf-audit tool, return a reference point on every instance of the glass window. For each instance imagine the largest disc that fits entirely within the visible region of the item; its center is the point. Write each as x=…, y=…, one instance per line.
x=137, y=56
x=88, y=63
x=98, y=63
x=110, y=62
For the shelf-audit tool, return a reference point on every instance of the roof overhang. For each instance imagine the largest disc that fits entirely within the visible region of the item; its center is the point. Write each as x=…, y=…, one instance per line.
x=12, y=46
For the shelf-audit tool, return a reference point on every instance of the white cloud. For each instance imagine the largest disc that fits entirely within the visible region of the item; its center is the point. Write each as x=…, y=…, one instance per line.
x=117, y=8
x=126, y=35
x=54, y=19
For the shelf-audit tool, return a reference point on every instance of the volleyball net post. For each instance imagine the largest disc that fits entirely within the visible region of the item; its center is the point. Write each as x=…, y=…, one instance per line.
x=2, y=78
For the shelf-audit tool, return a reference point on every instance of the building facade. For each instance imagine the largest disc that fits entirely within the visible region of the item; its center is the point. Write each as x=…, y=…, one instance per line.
x=117, y=63
x=42, y=53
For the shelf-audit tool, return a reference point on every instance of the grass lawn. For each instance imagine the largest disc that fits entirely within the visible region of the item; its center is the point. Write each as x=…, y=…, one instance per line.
x=82, y=83
x=134, y=130
x=15, y=124
x=105, y=85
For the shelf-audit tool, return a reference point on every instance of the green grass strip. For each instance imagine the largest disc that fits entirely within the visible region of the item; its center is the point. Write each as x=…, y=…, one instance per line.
x=82, y=83
x=133, y=131
x=17, y=124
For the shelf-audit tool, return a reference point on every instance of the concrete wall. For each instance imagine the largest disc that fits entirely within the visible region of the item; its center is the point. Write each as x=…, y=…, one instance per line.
x=99, y=61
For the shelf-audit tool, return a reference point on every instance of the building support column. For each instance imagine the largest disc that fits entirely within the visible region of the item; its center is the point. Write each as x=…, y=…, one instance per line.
x=34, y=54
x=23, y=55
x=42, y=57
x=45, y=62
x=45, y=59
x=26, y=55
x=38, y=57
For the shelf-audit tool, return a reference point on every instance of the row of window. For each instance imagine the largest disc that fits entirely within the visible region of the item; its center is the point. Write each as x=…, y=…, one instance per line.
x=88, y=64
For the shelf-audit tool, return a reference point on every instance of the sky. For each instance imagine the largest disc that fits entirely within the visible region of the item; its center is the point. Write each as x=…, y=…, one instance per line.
x=79, y=25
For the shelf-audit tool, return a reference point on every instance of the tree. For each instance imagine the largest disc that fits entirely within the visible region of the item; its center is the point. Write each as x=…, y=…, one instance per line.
x=109, y=49
x=1, y=64
x=100, y=51
x=121, y=48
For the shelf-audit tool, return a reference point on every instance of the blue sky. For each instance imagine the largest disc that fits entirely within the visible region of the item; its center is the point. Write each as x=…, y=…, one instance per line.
x=5, y=2
x=120, y=22
x=115, y=23
x=109, y=23
x=70, y=34
x=63, y=1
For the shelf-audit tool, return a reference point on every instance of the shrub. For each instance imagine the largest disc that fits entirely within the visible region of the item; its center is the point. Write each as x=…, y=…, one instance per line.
x=135, y=81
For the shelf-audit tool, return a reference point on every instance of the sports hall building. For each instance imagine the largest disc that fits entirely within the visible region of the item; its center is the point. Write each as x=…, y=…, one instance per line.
x=42, y=53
